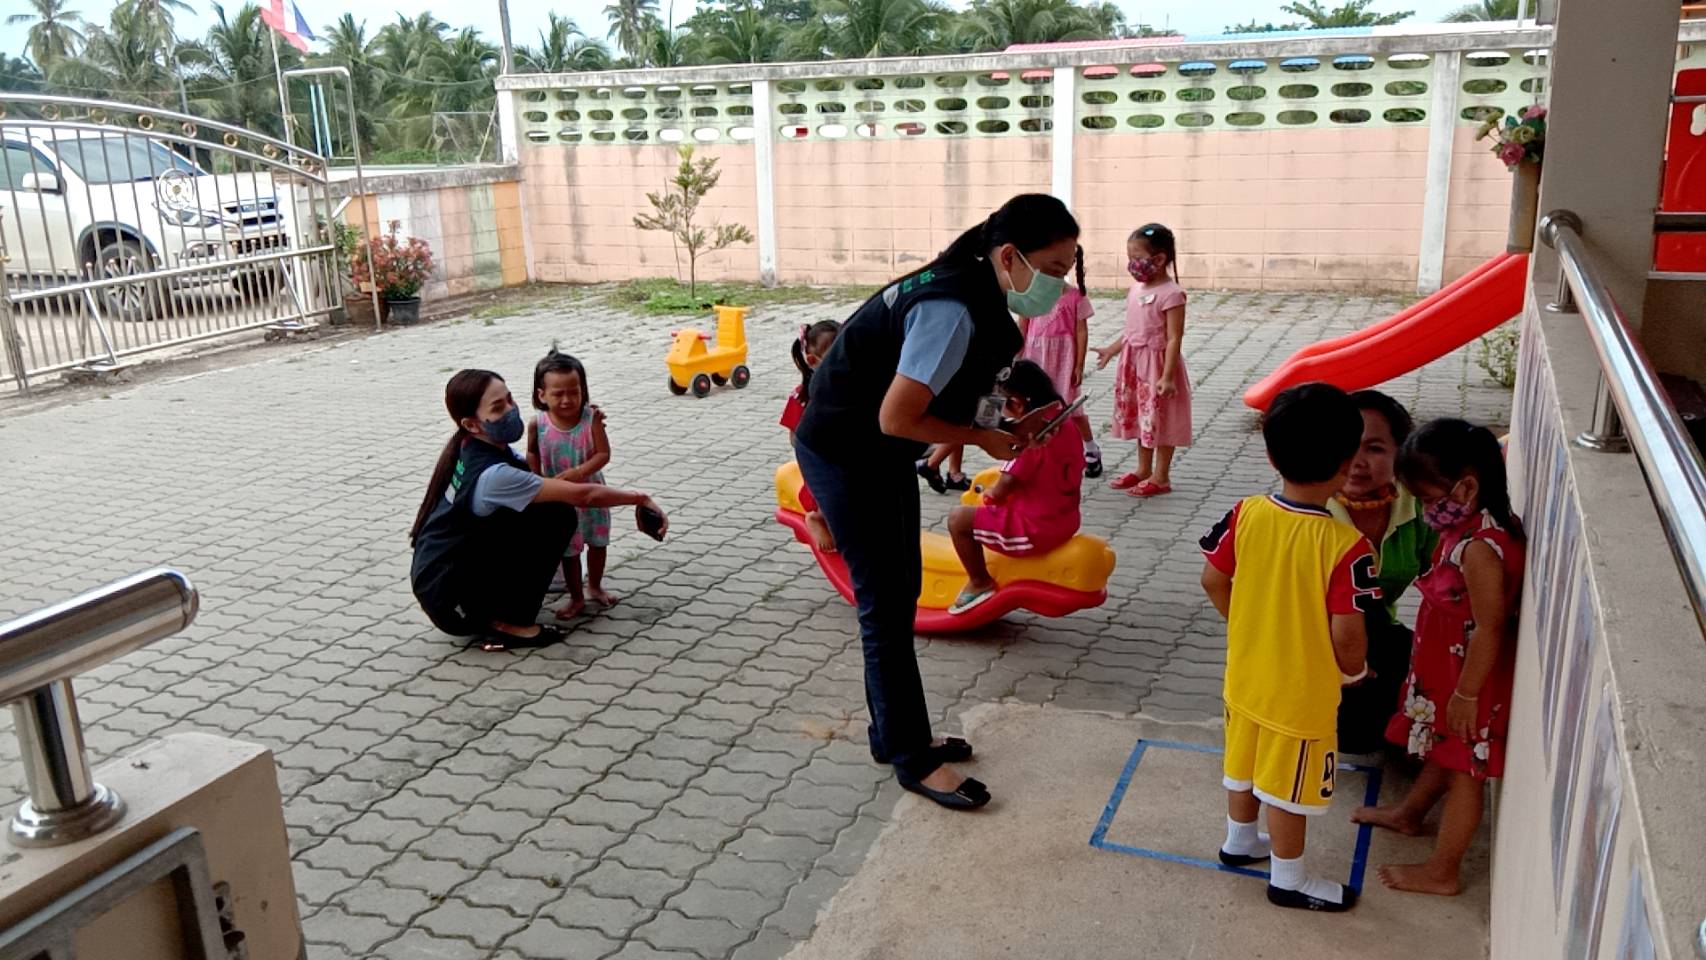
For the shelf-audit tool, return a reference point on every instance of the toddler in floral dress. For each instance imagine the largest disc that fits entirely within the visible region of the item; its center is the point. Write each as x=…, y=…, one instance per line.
x=1456, y=704
x=1152, y=394
x=567, y=441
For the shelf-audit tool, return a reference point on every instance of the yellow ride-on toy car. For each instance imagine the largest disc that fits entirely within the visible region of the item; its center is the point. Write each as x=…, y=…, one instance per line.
x=695, y=366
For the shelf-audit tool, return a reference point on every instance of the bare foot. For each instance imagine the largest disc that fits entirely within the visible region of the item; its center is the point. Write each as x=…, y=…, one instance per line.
x=944, y=779
x=571, y=610
x=1420, y=878
x=818, y=528
x=603, y=597
x=1389, y=818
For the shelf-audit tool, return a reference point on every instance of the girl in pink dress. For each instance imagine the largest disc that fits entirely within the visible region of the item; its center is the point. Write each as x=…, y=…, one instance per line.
x=1057, y=343
x=1455, y=710
x=1152, y=394
x=567, y=441
x=1033, y=508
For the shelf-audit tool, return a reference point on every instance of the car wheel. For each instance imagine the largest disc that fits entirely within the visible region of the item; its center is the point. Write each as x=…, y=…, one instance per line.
x=676, y=388
x=127, y=302
x=719, y=379
x=741, y=377
x=701, y=386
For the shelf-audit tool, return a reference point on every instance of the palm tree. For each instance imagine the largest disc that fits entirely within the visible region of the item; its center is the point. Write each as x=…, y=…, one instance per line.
x=127, y=59
x=741, y=33
x=1485, y=10
x=229, y=70
x=851, y=29
x=998, y=24
x=16, y=73
x=630, y=22
x=668, y=48
x=53, y=34
x=1353, y=13
x=346, y=46
x=563, y=48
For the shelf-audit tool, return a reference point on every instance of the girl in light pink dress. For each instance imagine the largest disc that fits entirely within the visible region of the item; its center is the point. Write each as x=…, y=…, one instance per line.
x=1057, y=343
x=1152, y=393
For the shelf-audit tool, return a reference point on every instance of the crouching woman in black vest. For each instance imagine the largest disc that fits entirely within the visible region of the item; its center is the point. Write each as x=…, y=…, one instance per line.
x=910, y=368
x=490, y=533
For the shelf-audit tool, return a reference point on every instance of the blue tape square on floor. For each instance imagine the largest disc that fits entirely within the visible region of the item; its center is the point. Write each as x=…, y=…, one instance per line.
x=1099, y=836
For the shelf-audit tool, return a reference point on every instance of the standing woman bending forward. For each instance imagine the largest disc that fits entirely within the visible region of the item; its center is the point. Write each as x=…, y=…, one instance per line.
x=912, y=367
x=490, y=532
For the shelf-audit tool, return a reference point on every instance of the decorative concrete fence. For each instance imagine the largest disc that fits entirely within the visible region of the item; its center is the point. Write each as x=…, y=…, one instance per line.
x=1342, y=161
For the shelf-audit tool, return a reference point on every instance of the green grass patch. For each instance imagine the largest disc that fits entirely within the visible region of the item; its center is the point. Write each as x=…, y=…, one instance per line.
x=665, y=295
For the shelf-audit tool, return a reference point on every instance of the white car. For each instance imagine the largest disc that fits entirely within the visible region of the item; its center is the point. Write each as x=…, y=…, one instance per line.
x=78, y=205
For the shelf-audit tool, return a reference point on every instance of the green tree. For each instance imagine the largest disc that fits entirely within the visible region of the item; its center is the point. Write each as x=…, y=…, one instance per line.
x=1268, y=27
x=1352, y=13
x=739, y=32
x=229, y=72
x=19, y=74
x=563, y=48
x=1484, y=10
x=128, y=59
x=851, y=29
x=999, y=24
x=346, y=46
x=53, y=31
x=675, y=210
x=668, y=48
x=631, y=23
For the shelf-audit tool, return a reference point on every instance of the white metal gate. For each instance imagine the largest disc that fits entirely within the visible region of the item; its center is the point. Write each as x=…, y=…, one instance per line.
x=126, y=229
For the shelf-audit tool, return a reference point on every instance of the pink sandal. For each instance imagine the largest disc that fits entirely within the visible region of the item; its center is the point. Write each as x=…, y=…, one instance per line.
x=1148, y=489
x=1127, y=480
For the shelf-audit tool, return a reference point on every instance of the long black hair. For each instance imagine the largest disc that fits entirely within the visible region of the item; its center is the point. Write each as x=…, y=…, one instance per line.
x=1078, y=269
x=1444, y=451
x=807, y=340
x=1393, y=412
x=1029, y=221
x=462, y=396
x=1027, y=380
x=557, y=361
x=1160, y=240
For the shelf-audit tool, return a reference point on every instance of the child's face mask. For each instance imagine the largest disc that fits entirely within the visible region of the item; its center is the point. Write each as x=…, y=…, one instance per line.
x=1143, y=269
x=1446, y=513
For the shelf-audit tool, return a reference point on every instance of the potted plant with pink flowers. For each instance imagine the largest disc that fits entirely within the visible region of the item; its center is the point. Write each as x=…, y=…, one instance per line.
x=1520, y=142
x=401, y=266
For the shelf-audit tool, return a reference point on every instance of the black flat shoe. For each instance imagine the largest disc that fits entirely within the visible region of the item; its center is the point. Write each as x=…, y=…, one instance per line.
x=970, y=794
x=1092, y=467
x=952, y=750
x=932, y=477
x=1298, y=900
x=497, y=642
x=961, y=483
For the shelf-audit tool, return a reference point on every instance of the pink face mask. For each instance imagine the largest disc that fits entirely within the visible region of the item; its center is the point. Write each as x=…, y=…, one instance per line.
x=1143, y=270
x=1445, y=514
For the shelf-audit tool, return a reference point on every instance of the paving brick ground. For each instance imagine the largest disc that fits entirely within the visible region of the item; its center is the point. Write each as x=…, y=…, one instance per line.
x=687, y=776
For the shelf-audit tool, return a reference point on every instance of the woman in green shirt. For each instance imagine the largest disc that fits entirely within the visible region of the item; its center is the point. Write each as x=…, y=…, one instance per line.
x=1375, y=503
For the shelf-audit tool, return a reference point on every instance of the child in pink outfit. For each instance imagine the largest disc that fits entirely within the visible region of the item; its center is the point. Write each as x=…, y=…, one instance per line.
x=1057, y=343
x=1033, y=508
x=1152, y=393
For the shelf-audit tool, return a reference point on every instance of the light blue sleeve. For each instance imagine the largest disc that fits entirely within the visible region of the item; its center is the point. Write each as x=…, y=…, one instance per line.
x=504, y=486
x=937, y=334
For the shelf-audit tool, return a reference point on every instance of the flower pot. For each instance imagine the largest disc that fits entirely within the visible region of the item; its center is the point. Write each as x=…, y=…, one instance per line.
x=1525, y=207
x=358, y=308
x=404, y=311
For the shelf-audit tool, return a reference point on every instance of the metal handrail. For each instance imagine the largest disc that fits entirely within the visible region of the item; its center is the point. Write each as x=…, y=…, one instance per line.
x=40, y=653
x=1630, y=391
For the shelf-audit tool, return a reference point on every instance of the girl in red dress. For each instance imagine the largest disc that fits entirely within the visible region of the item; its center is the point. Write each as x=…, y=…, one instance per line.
x=808, y=350
x=1456, y=701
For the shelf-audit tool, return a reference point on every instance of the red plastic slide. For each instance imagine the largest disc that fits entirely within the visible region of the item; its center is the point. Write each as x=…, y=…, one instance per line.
x=1467, y=308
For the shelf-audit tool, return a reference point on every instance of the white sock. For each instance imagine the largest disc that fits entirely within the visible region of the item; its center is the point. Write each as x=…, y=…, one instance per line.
x=1244, y=839
x=1091, y=450
x=1288, y=875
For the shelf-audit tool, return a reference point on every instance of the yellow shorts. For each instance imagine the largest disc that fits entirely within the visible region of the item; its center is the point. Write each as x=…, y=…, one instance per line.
x=1286, y=772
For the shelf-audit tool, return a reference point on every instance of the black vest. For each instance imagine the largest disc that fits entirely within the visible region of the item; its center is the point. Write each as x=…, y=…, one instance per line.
x=840, y=422
x=440, y=545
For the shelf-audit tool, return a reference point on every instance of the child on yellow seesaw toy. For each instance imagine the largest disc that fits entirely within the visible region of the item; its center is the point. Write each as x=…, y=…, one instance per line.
x=1033, y=508
x=808, y=350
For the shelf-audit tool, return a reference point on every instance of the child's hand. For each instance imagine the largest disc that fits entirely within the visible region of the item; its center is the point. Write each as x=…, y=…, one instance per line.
x=1166, y=388
x=1077, y=376
x=999, y=444
x=572, y=475
x=1460, y=717
x=597, y=414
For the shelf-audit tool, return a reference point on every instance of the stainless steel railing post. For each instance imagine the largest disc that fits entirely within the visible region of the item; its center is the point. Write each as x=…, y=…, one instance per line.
x=39, y=654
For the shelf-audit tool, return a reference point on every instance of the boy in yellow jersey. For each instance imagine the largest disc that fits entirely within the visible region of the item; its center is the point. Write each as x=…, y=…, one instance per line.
x=1293, y=584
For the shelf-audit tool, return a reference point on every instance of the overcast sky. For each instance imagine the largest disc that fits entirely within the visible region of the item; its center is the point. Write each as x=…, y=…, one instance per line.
x=527, y=17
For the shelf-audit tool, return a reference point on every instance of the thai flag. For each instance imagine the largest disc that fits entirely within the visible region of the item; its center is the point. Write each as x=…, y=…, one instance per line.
x=285, y=17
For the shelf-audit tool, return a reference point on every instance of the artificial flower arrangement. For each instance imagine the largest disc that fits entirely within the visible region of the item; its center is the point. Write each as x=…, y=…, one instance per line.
x=1518, y=139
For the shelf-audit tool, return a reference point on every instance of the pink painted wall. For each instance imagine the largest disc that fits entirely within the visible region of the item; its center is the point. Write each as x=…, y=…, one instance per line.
x=581, y=203
x=867, y=211
x=1282, y=209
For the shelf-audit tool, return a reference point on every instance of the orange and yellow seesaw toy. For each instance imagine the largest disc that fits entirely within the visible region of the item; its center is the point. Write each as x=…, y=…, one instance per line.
x=695, y=366
x=1073, y=576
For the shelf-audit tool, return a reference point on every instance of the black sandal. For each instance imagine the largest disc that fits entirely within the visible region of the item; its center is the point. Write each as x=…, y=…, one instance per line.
x=960, y=483
x=969, y=795
x=952, y=750
x=931, y=476
x=497, y=642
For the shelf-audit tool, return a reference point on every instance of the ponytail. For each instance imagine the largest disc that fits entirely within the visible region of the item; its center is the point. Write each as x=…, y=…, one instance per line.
x=1078, y=268
x=462, y=397
x=810, y=334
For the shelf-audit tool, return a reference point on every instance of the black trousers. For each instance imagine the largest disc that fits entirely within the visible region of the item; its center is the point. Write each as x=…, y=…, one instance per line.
x=1365, y=709
x=506, y=564
x=872, y=510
